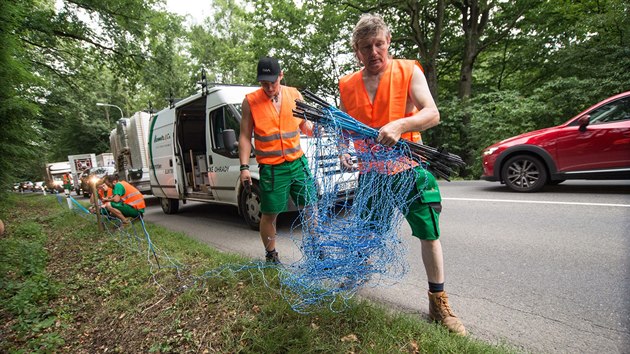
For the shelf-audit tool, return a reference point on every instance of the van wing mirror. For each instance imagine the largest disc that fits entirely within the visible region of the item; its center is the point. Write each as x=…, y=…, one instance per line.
x=229, y=140
x=583, y=121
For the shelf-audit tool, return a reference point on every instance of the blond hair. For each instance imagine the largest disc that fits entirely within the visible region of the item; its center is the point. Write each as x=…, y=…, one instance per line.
x=369, y=25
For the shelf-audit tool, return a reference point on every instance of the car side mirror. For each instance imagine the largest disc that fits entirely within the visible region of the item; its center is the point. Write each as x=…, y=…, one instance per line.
x=583, y=121
x=229, y=140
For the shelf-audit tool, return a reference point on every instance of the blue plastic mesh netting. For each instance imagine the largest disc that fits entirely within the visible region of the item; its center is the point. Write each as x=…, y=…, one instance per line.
x=349, y=239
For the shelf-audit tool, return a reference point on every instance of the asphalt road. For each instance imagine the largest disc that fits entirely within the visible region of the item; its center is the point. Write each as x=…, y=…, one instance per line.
x=546, y=272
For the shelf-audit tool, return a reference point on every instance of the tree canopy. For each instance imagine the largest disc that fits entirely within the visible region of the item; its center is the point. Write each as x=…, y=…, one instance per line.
x=496, y=68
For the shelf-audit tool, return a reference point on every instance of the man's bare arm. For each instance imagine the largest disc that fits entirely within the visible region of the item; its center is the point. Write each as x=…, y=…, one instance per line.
x=245, y=136
x=427, y=116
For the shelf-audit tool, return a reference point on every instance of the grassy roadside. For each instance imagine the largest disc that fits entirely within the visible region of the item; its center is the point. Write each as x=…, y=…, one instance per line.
x=66, y=288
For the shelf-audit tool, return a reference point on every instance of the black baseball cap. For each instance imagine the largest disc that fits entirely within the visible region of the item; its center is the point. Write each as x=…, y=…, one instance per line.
x=268, y=69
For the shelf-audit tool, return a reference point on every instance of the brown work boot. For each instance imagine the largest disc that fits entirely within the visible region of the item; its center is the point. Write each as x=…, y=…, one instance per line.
x=440, y=311
x=124, y=224
x=272, y=257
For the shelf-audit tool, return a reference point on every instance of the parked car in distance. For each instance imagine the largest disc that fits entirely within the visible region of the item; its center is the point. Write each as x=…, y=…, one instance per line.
x=92, y=175
x=39, y=186
x=26, y=186
x=594, y=144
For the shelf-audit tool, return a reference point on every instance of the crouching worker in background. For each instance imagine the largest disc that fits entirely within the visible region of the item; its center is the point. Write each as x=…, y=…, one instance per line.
x=125, y=201
x=103, y=192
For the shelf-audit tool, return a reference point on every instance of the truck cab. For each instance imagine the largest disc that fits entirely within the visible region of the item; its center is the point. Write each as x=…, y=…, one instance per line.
x=193, y=153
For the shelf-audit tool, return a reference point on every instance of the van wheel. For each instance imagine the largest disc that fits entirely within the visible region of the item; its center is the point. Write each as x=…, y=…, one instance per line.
x=169, y=206
x=249, y=205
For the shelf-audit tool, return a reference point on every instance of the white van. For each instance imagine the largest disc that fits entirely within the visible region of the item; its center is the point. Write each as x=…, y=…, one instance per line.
x=193, y=154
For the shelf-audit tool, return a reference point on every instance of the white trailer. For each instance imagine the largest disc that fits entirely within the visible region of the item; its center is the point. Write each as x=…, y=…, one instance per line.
x=137, y=172
x=118, y=144
x=78, y=164
x=114, y=148
x=105, y=159
x=128, y=143
x=193, y=154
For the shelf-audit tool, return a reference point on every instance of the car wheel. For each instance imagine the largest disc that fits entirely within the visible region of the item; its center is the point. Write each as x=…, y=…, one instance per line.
x=524, y=173
x=249, y=205
x=169, y=206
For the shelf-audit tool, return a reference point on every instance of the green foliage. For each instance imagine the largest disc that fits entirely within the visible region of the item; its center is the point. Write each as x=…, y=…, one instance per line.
x=222, y=45
x=18, y=138
x=26, y=286
x=311, y=41
x=497, y=116
x=58, y=60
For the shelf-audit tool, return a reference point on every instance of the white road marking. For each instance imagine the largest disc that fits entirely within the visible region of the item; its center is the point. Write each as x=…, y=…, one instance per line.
x=536, y=202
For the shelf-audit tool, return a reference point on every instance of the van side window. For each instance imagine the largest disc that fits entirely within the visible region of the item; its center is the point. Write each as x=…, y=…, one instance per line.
x=223, y=118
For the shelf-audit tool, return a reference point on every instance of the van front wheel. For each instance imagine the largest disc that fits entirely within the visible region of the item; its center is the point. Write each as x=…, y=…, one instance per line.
x=249, y=205
x=169, y=206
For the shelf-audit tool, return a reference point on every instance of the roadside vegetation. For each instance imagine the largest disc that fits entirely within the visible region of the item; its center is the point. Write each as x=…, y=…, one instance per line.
x=65, y=287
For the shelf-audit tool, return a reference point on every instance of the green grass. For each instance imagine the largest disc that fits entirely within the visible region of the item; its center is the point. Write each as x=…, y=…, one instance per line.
x=65, y=287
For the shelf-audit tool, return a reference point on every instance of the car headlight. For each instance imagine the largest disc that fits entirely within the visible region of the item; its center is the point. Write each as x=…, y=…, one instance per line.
x=490, y=151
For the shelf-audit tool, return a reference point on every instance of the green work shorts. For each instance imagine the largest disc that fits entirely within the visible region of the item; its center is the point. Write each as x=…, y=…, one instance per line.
x=288, y=179
x=423, y=212
x=126, y=210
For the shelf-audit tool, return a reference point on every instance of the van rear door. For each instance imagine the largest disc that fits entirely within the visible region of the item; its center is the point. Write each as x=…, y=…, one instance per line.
x=161, y=155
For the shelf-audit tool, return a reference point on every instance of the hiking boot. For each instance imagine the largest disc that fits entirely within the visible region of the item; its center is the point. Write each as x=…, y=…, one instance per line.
x=440, y=311
x=272, y=257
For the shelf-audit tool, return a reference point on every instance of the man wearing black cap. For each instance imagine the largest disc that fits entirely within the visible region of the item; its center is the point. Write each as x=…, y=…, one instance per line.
x=283, y=168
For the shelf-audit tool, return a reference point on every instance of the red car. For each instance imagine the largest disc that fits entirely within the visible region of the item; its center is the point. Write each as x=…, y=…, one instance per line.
x=595, y=144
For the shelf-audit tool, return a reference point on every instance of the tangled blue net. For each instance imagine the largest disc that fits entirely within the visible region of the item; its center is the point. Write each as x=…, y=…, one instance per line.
x=350, y=240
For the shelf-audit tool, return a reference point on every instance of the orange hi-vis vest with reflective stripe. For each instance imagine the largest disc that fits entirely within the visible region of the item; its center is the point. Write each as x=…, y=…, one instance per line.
x=132, y=196
x=390, y=103
x=276, y=135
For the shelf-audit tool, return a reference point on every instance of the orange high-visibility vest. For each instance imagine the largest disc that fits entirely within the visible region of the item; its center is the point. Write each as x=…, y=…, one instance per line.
x=276, y=136
x=132, y=196
x=66, y=179
x=390, y=103
x=101, y=193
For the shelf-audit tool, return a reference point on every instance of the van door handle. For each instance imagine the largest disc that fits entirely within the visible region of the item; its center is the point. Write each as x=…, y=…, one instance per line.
x=210, y=159
x=170, y=163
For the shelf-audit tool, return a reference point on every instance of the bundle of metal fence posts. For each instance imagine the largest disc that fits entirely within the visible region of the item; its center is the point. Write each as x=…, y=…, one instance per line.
x=439, y=162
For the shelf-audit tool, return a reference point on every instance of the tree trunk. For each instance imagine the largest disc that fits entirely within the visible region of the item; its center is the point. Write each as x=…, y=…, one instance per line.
x=426, y=17
x=464, y=89
x=474, y=20
x=430, y=71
